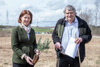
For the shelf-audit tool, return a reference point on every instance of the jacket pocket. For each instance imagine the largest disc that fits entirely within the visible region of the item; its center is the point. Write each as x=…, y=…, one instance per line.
x=82, y=31
x=25, y=49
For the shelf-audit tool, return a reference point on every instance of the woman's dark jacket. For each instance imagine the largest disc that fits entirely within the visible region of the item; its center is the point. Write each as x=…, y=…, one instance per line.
x=84, y=33
x=20, y=44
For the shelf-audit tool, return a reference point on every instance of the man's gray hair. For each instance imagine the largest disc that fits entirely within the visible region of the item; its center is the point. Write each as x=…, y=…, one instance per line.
x=69, y=8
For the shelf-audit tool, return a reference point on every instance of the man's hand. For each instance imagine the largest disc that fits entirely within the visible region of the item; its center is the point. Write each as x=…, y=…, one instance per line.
x=78, y=40
x=28, y=59
x=57, y=45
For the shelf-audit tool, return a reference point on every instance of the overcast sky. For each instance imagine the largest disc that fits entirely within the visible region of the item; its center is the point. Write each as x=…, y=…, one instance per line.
x=45, y=12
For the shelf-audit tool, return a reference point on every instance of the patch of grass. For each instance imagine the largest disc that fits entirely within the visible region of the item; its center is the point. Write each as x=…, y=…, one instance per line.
x=99, y=57
x=98, y=62
x=39, y=29
x=0, y=29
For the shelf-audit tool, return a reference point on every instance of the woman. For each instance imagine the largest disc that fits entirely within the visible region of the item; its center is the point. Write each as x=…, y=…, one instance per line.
x=23, y=41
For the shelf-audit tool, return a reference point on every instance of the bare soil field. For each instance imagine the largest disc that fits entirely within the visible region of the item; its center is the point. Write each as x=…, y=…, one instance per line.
x=48, y=57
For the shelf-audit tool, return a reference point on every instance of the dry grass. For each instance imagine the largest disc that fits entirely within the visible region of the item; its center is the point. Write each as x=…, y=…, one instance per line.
x=48, y=59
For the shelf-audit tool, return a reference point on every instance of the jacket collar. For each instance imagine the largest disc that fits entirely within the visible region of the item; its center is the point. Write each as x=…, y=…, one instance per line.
x=80, y=21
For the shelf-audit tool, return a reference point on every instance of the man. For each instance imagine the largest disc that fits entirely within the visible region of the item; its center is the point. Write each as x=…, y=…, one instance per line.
x=67, y=27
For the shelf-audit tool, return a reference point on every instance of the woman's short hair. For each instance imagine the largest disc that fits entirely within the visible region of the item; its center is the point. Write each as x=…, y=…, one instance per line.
x=69, y=8
x=23, y=13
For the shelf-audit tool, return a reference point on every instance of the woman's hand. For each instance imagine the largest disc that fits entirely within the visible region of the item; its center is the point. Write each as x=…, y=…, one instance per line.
x=37, y=52
x=28, y=59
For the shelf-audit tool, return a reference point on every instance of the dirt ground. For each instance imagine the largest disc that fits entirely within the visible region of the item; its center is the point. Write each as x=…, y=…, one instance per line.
x=48, y=57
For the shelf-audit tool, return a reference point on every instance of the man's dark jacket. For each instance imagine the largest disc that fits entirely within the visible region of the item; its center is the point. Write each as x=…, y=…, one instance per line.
x=84, y=33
